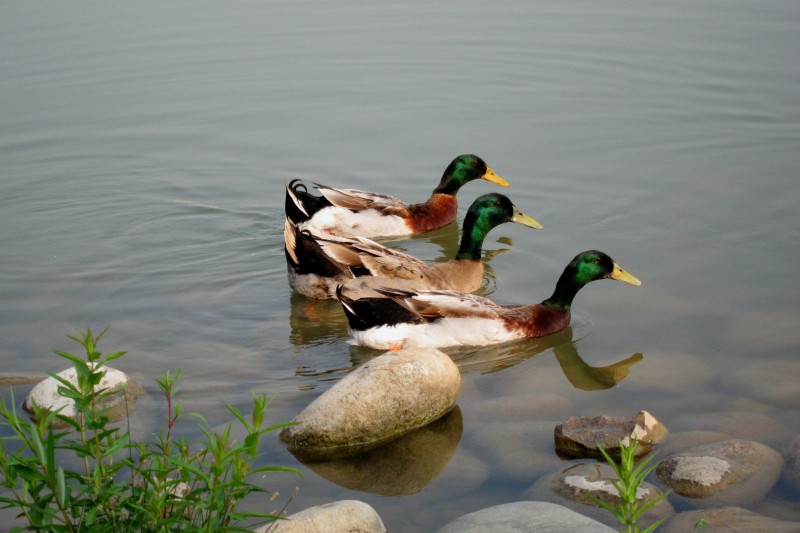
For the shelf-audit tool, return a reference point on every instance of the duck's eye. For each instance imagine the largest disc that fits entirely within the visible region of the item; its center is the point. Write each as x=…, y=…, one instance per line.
x=474, y=163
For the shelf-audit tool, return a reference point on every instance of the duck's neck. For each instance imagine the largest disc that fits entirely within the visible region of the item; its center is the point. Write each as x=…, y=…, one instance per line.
x=475, y=231
x=438, y=211
x=567, y=287
x=448, y=185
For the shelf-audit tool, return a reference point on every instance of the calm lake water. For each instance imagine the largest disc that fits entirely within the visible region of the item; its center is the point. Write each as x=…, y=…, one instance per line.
x=144, y=149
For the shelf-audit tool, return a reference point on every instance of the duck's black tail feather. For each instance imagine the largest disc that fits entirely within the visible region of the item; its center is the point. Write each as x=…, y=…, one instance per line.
x=366, y=313
x=301, y=205
x=304, y=254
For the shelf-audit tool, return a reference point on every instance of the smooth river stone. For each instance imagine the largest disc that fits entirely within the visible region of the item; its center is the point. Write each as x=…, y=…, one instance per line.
x=576, y=486
x=525, y=517
x=124, y=393
x=581, y=436
x=727, y=520
x=380, y=401
x=344, y=516
x=730, y=472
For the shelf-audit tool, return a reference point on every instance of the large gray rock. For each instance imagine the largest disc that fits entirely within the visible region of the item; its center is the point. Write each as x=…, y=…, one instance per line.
x=728, y=520
x=381, y=400
x=345, y=516
x=124, y=392
x=581, y=436
x=731, y=472
x=525, y=517
x=575, y=487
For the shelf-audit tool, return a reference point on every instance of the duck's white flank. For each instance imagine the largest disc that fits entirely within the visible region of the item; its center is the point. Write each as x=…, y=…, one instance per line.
x=439, y=334
x=346, y=223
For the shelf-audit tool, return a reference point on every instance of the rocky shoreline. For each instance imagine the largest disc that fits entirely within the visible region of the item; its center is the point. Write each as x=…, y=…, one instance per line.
x=401, y=406
x=718, y=478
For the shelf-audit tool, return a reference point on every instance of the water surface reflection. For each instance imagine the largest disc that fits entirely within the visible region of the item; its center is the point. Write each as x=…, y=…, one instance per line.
x=403, y=466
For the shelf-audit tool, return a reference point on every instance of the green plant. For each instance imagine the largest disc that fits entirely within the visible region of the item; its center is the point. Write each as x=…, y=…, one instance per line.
x=119, y=485
x=629, y=477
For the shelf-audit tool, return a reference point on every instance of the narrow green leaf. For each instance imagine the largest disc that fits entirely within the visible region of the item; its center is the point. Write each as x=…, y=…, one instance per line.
x=238, y=414
x=100, y=336
x=66, y=355
x=652, y=527
x=274, y=427
x=646, y=506
x=50, y=454
x=200, y=417
x=608, y=507
x=37, y=448
x=286, y=469
x=91, y=516
x=61, y=488
x=112, y=356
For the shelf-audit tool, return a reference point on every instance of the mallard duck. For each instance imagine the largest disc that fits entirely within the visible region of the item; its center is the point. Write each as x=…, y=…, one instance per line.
x=407, y=318
x=354, y=213
x=318, y=264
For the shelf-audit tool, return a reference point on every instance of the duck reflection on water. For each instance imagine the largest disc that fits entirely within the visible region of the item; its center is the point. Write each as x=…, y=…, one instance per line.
x=495, y=358
x=580, y=374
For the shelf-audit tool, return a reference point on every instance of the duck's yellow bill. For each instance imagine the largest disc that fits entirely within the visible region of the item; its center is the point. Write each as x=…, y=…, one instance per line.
x=521, y=218
x=620, y=275
x=494, y=178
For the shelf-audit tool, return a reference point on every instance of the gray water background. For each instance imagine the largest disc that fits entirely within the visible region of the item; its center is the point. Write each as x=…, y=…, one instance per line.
x=144, y=149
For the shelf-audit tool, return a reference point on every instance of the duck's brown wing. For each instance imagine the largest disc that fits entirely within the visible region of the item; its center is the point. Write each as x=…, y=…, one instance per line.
x=446, y=304
x=359, y=200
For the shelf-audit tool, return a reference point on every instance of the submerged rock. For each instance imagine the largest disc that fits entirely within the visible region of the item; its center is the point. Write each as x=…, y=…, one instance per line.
x=727, y=520
x=745, y=425
x=683, y=440
x=9, y=379
x=774, y=382
x=380, y=401
x=580, y=436
x=518, y=450
x=575, y=487
x=345, y=516
x=791, y=474
x=731, y=472
x=124, y=392
x=525, y=517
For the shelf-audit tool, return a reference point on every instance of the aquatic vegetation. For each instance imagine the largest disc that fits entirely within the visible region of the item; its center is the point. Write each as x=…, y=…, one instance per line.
x=630, y=476
x=120, y=485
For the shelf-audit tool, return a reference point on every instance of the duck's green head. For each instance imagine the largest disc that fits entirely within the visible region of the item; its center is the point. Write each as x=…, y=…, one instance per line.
x=592, y=265
x=463, y=169
x=485, y=213
x=586, y=267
